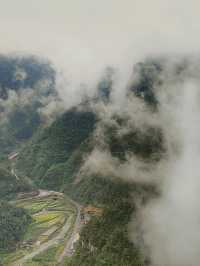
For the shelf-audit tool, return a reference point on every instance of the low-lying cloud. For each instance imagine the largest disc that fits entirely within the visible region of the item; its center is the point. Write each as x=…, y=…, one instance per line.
x=169, y=223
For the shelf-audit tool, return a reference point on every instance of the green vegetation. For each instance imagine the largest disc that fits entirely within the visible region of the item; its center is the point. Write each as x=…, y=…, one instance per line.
x=46, y=258
x=104, y=240
x=13, y=224
x=48, y=216
x=53, y=159
x=51, y=156
x=20, y=118
x=54, y=145
x=146, y=145
x=10, y=185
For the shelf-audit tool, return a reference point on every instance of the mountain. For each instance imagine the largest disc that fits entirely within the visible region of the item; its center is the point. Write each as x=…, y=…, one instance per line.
x=26, y=84
x=107, y=234
x=54, y=159
x=10, y=186
x=51, y=148
x=56, y=156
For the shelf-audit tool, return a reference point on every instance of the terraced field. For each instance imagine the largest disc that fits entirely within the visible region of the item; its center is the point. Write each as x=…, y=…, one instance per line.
x=53, y=219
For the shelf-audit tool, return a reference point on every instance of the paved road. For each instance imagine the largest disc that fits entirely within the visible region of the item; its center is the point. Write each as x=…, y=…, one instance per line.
x=46, y=245
x=68, y=250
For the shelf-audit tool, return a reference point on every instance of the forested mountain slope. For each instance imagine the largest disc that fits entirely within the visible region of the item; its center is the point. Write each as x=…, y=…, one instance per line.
x=27, y=83
x=64, y=156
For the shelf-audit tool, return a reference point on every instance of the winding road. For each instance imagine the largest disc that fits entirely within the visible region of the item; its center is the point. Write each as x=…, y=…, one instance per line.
x=68, y=250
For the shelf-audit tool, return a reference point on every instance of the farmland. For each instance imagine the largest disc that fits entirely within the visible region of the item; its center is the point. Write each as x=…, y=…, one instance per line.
x=53, y=216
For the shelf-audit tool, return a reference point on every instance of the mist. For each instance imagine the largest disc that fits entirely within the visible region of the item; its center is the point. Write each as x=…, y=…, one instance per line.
x=170, y=222
x=82, y=38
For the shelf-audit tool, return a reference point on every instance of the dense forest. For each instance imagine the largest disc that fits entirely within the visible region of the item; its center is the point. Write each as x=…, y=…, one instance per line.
x=105, y=240
x=10, y=186
x=13, y=224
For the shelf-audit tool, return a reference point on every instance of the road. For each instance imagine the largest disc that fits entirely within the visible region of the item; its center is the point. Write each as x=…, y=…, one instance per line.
x=69, y=247
x=13, y=173
x=66, y=227
x=68, y=250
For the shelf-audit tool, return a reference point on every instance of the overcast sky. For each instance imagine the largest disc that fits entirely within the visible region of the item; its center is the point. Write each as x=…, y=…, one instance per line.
x=91, y=33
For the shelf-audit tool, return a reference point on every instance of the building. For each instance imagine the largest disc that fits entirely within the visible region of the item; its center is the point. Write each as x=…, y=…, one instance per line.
x=93, y=210
x=13, y=156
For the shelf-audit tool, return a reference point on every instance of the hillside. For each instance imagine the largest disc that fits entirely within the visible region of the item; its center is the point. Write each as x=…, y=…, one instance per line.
x=66, y=156
x=54, y=159
x=13, y=224
x=26, y=86
x=51, y=148
x=10, y=186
